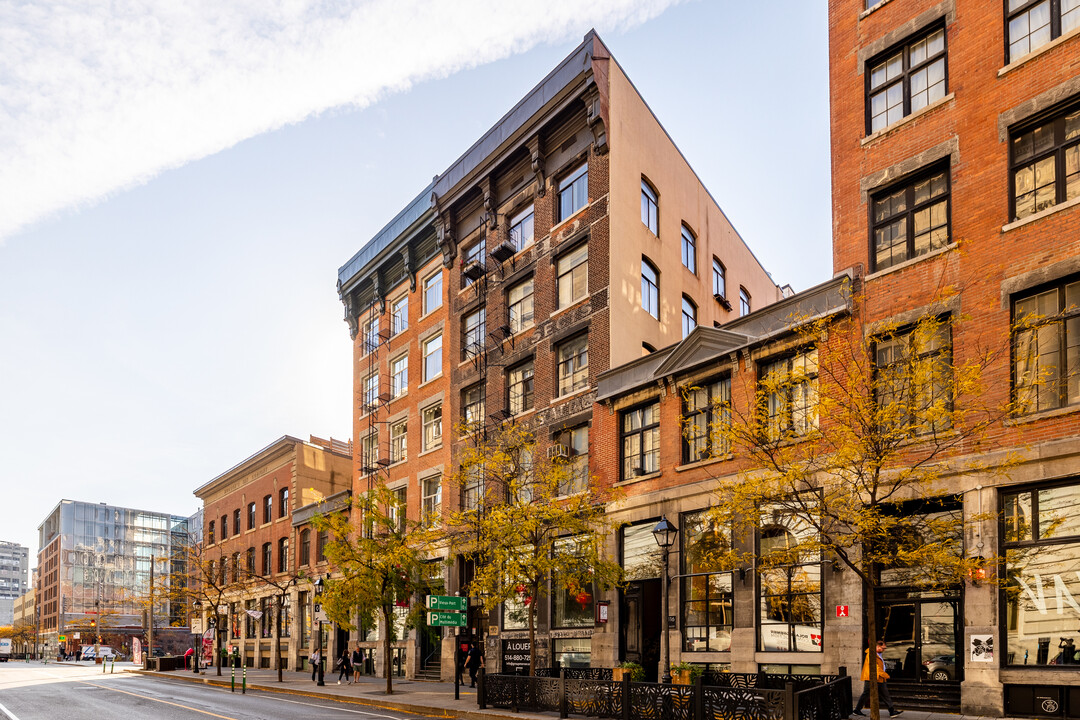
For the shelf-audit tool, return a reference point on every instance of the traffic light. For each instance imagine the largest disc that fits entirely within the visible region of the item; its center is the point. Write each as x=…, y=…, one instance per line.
x=93, y=623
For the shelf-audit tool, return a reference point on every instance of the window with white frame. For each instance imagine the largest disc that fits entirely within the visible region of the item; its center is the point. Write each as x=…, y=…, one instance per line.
x=371, y=392
x=432, y=348
x=399, y=433
x=573, y=192
x=572, y=275
x=649, y=208
x=520, y=386
x=399, y=315
x=521, y=229
x=520, y=300
x=650, y=288
x=473, y=489
x=689, y=250
x=370, y=334
x=433, y=292
x=573, y=356
x=689, y=316
x=472, y=405
x=431, y=499
x=473, y=330
x=369, y=451
x=431, y=418
x=399, y=375
x=396, y=512
x=719, y=279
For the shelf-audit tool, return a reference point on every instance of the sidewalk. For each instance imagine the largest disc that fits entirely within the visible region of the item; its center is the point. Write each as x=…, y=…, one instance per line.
x=434, y=699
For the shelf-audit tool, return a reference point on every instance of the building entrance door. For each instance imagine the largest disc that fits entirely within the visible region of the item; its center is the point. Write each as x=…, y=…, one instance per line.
x=640, y=626
x=922, y=637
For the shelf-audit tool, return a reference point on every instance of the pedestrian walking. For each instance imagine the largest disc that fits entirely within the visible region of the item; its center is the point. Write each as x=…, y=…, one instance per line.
x=882, y=676
x=459, y=664
x=474, y=661
x=343, y=666
x=315, y=658
x=357, y=663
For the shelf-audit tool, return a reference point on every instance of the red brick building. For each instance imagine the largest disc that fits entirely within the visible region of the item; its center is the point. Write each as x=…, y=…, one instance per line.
x=572, y=237
x=956, y=147
x=256, y=523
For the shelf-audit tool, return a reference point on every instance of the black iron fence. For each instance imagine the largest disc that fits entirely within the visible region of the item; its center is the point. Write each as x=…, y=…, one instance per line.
x=732, y=696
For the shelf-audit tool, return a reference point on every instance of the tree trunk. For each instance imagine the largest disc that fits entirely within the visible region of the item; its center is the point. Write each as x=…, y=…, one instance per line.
x=217, y=652
x=532, y=639
x=387, y=613
x=871, y=650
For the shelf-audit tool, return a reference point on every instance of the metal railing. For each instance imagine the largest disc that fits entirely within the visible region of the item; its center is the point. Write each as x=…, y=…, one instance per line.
x=734, y=696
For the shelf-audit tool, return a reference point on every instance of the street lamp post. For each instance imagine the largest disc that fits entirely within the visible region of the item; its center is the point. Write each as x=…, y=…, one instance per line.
x=319, y=647
x=665, y=534
x=196, y=639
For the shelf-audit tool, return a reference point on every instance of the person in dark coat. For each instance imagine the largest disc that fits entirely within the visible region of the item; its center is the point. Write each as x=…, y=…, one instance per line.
x=344, y=667
x=459, y=664
x=474, y=661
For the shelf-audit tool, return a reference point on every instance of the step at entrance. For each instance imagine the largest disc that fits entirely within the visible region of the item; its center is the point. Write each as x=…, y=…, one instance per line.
x=929, y=696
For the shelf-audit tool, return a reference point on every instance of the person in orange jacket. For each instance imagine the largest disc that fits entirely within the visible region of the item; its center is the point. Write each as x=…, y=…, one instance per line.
x=882, y=676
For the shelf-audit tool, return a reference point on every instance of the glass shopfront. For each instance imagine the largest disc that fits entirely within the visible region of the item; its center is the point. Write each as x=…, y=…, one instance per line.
x=1042, y=576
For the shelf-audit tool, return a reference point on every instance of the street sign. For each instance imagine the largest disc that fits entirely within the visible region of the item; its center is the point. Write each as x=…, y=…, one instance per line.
x=447, y=602
x=446, y=619
x=77, y=636
x=63, y=638
x=841, y=611
x=320, y=614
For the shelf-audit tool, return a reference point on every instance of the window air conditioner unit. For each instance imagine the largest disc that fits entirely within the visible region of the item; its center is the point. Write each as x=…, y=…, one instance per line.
x=558, y=450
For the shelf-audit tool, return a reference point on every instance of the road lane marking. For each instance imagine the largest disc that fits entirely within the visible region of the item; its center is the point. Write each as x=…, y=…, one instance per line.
x=166, y=702
x=8, y=713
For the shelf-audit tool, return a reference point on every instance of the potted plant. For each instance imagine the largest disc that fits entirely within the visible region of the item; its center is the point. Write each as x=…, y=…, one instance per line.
x=635, y=672
x=684, y=673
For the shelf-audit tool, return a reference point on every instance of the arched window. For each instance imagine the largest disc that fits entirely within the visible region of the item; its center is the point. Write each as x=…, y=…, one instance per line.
x=649, y=207
x=689, y=250
x=305, y=548
x=744, y=301
x=719, y=279
x=650, y=288
x=689, y=316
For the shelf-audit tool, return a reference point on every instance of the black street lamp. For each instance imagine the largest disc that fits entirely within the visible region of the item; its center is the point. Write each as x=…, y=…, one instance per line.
x=196, y=639
x=319, y=647
x=665, y=534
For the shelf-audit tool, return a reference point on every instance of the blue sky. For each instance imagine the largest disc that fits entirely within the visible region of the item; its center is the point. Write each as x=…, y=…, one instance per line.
x=168, y=256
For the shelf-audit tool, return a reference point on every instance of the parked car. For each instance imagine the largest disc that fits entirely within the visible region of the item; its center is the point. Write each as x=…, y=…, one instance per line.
x=940, y=667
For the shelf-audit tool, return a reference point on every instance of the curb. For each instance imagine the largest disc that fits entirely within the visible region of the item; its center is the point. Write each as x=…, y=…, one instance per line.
x=428, y=710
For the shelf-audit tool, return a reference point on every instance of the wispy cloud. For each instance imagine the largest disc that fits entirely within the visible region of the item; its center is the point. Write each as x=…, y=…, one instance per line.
x=98, y=97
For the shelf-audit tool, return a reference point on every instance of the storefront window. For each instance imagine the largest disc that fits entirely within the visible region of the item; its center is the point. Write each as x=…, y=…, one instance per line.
x=789, y=608
x=573, y=606
x=1042, y=585
x=707, y=616
x=572, y=652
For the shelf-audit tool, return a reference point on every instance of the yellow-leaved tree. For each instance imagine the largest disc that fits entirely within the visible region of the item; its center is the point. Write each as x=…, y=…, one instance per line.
x=848, y=436
x=530, y=522
x=379, y=555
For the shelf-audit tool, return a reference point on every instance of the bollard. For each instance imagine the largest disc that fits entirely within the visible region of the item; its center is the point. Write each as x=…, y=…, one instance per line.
x=112, y=665
x=232, y=685
x=104, y=665
x=243, y=684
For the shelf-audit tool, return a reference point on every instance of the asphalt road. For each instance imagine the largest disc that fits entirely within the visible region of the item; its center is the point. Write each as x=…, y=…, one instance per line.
x=32, y=691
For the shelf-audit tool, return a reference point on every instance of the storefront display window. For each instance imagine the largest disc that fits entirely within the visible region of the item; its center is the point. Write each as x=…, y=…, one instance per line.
x=572, y=652
x=789, y=608
x=1042, y=585
x=707, y=601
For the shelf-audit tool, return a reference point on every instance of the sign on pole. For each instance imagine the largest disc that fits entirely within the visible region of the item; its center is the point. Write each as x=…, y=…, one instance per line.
x=63, y=638
x=320, y=615
x=447, y=602
x=446, y=619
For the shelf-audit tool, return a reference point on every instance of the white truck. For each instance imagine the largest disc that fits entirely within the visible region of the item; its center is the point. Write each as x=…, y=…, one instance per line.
x=5, y=649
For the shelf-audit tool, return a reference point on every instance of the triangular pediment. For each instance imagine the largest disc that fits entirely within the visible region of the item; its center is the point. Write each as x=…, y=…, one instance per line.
x=701, y=345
